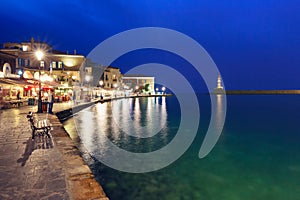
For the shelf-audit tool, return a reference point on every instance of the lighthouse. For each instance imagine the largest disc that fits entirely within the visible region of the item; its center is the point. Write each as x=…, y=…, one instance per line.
x=219, y=89
x=219, y=82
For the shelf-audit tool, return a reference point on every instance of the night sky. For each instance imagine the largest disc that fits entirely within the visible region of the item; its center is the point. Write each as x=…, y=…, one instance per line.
x=255, y=44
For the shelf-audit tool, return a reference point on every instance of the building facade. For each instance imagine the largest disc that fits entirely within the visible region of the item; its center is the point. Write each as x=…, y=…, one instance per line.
x=55, y=66
x=111, y=78
x=7, y=65
x=139, y=82
x=57, y=69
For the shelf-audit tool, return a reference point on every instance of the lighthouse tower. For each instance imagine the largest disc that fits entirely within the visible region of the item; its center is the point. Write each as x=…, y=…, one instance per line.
x=219, y=82
x=219, y=89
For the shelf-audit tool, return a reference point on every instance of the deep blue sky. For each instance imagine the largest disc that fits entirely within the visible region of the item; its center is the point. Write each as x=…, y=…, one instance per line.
x=255, y=44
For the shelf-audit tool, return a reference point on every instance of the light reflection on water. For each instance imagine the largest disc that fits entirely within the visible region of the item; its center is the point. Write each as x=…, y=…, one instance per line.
x=137, y=121
x=256, y=157
x=221, y=112
x=128, y=123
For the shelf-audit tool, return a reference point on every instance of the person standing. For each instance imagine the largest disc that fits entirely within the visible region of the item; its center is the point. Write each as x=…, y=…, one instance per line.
x=19, y=95
x=51, y=101
x=19, y=98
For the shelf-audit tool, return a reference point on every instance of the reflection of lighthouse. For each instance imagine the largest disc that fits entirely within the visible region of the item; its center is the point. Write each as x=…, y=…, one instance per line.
x=219, y=89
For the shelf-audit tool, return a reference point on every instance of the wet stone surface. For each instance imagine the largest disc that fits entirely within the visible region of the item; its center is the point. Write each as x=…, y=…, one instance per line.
x=42, y=168
x=29, y=169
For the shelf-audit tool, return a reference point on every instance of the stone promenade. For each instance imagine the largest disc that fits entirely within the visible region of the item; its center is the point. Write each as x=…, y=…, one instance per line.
x=43, y=168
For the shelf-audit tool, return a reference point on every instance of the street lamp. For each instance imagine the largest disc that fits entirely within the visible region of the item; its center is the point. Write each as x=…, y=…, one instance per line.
x=88, y=79
x=39, y=55
x=115, y=89
x=156, y=90
x=163, y=89
x=101, y=83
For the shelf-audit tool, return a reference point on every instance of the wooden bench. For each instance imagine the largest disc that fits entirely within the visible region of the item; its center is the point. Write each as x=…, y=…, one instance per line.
x=40, y=127
x=15, y=103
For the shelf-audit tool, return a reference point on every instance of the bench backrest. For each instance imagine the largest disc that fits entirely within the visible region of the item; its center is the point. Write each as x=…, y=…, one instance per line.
x=39, y=124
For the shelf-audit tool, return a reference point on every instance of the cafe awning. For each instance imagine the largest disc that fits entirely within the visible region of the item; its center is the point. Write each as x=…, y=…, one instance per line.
x=10, y=81
x=29, y=83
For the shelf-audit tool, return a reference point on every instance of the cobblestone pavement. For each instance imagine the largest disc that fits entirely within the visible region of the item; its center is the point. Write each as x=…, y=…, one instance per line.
x=40, y=168
x=29, y=169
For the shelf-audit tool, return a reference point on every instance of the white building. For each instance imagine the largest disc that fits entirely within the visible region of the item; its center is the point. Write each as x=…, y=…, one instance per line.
x=139, y=82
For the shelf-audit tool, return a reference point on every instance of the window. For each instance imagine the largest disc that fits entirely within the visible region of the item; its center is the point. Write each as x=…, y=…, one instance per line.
x=26, y=62
x=42, y=64
x=25, y=48
x=88, y=70
x=53, y=65
x=19, y=61
x=59, y=65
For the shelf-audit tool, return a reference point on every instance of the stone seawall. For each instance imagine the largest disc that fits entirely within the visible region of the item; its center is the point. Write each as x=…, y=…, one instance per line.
x=81, y=184
x=65, y=114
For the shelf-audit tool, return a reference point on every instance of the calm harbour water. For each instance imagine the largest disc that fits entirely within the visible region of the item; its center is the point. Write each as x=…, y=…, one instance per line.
x=256, y=157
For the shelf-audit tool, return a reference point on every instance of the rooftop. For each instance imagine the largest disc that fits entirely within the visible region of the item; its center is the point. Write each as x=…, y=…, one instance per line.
x=136, y=76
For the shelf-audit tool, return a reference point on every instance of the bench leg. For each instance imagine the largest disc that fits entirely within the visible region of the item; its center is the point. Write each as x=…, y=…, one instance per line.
x=33, y=134
x=47, y=133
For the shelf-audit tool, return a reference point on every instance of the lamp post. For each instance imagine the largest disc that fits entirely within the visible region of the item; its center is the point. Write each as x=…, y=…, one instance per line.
x=88, y=78
x=39, y=55
x=163, y=89
x=101, y=83
x=115, y=89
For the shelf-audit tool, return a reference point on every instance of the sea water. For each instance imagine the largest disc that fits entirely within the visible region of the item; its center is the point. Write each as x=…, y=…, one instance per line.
x=256, y=157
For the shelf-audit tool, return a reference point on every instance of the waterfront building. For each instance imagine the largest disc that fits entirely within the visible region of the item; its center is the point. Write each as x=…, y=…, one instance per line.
x=57, y=69
x=7, y=65
x=90, y=73
x=219, y=89
x=111, y=78
x=10, y=84
x=62, y=67
x=139, y=82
